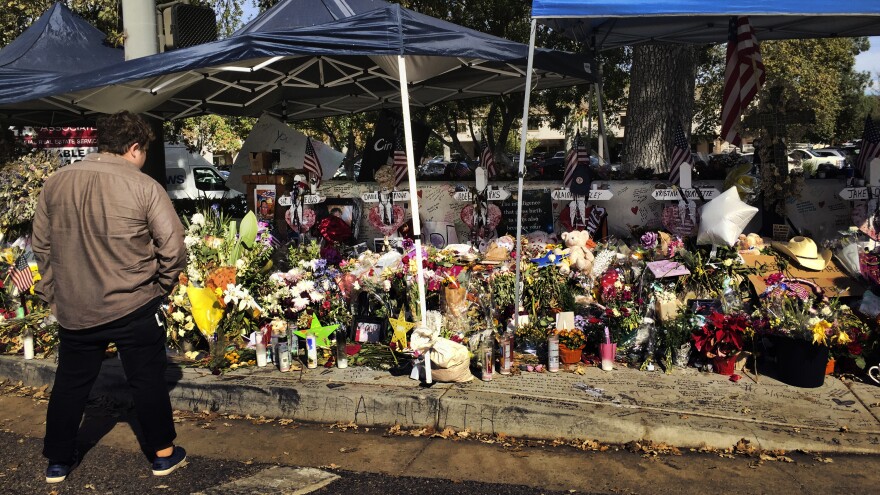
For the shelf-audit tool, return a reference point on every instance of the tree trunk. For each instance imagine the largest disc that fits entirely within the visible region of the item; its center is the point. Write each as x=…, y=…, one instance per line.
x=661, y=95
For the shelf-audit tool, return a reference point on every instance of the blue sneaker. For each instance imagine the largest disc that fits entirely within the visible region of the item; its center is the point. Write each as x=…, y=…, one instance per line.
x=58, y=471
x=164, y=466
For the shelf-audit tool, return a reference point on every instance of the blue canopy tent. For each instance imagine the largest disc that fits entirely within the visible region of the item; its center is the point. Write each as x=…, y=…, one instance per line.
x=314, y=58
x=604, y=24
x=58, y=43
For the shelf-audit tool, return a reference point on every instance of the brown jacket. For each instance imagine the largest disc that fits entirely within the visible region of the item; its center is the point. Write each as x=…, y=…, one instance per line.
x=107, y=241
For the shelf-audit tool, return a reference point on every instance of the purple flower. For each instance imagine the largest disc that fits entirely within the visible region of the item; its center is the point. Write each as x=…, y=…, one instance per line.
x=649, y=240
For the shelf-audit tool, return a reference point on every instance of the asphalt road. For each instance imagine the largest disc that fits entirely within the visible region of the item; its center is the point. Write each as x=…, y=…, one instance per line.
x=367, y=461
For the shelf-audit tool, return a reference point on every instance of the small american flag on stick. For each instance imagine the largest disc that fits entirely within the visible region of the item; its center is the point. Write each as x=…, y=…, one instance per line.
x=681, y=153
x=400, y=166
x=311, y=164
x=21, y=274
x=487, y=158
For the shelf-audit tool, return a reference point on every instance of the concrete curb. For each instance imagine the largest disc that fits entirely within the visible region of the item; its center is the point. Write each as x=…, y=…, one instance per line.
x=687, y=409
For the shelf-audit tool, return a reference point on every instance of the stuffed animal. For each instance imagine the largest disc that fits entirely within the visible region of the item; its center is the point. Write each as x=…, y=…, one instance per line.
x=579, y=245
x=539, y=237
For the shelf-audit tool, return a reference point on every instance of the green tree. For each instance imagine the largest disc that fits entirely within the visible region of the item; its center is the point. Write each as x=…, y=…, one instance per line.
x=817, y=74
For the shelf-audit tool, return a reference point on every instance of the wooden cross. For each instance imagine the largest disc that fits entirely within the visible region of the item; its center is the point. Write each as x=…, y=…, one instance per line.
x=776, y=125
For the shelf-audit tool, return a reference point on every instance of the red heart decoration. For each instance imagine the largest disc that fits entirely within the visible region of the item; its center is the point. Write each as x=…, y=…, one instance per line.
x=634, y=209
x=863, y=218
x=671, y=220
x=388, y=230
x=306, y=222
x=492, y=220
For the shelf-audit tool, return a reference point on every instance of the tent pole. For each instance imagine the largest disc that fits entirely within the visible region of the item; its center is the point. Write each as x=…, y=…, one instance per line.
x=603, y=137
x=523, y=136
x=413, y=189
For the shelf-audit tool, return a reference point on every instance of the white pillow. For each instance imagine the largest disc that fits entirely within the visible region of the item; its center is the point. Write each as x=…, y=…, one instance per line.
x=723, y=219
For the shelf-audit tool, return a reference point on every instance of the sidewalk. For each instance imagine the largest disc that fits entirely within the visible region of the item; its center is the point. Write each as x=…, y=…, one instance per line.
x=685, y=409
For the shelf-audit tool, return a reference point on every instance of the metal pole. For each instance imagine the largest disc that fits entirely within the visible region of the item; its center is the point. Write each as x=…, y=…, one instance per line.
x=139, y=25
x=522, y=165
x=603, y=136
x=413, y=189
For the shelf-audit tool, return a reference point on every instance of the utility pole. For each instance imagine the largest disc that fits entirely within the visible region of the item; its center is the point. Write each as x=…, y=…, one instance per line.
x=141, y=40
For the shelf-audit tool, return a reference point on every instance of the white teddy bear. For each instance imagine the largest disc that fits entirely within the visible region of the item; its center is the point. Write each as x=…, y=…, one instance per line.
x=578, y=245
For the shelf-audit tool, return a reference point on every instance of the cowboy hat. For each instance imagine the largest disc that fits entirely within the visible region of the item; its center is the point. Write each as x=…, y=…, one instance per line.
x=804, y=252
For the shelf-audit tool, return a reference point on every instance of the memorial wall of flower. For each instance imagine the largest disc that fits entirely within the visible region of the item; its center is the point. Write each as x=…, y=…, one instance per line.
x=661, y=298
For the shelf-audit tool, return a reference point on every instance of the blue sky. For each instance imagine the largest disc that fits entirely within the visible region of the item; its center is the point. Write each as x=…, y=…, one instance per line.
x=870, y=60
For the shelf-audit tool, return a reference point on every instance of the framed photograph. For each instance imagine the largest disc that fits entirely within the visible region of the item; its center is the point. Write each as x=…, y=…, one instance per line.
x=264, y=202
x=368, y=329
x=704, y=307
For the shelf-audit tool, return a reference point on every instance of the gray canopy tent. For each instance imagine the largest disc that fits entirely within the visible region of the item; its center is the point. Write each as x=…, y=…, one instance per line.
x=604, y=24
x=314, y=58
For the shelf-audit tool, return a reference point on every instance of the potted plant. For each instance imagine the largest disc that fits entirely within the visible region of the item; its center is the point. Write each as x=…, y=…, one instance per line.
x=571, y=345
x=721, y=338
x=803, y=327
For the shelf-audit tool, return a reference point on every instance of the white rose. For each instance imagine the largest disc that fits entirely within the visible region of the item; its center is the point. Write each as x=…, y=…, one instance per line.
x=386, y=285
x=198, y=219
x=178, y=316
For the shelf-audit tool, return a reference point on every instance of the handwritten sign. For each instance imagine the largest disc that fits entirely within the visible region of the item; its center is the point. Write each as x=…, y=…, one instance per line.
x=537, y=213
x=673, y=194
x=858, y=193
x=595, y=195
x=491, y=195
x=373, y=197
x=308, y=199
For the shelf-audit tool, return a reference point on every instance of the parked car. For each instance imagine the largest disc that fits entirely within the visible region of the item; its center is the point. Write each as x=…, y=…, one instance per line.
x=553, y=168
x=815, y=158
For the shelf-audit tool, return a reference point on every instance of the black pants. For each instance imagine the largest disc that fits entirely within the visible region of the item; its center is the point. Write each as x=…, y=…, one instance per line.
x=141, y=344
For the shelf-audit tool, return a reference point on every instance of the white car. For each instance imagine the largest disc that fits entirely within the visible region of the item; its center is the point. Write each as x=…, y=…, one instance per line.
x=817, y=157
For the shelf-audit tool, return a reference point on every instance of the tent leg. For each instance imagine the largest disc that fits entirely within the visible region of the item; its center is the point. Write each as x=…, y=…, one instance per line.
x=603, y=137
x=522, y=167
x=413, y=189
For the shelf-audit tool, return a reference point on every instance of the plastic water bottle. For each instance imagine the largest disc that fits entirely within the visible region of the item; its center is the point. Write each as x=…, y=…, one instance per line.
x=553, y=353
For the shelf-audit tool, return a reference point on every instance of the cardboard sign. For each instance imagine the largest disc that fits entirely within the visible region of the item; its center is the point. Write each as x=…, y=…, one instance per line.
x=831, y=280
x=667, y=268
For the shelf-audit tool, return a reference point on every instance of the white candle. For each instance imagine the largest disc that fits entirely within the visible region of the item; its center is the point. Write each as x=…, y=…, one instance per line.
x=261, y=351
x=28, y=340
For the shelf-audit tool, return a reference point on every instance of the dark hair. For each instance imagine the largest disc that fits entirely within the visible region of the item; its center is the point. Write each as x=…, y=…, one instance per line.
x=117, y=132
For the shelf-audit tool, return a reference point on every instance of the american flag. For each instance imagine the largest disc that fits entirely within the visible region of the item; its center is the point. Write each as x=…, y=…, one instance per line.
x=577, y=154
x=21, y=274
x=743, y=76
x=487, y=159
x=870, y=148
x=400, y=166
x=311, y=164
x=681, y=153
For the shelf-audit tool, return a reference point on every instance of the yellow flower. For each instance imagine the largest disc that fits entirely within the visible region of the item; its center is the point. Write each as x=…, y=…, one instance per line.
x=843, y=338
x=819, y=330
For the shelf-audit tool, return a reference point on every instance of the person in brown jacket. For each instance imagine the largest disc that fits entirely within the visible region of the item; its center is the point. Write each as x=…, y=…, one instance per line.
x=109, y=247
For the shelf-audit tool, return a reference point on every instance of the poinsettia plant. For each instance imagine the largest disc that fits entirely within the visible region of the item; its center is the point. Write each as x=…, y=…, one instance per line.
x=722, y=335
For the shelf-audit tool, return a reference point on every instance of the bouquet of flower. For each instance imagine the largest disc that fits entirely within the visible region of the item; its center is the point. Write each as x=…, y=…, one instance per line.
x=225, y=264
x=621, y=306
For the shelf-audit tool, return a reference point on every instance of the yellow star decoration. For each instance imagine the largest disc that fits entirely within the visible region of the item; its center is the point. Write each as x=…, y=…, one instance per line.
x=400, y=327
x=321, y=332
